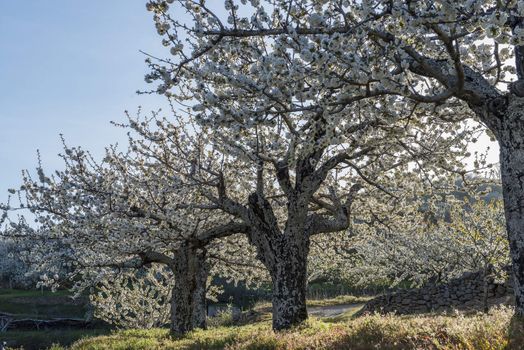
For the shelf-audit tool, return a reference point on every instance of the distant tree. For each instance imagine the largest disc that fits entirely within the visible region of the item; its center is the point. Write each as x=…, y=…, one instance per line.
x=14, y=271
x=479, y=229
x=469, y=236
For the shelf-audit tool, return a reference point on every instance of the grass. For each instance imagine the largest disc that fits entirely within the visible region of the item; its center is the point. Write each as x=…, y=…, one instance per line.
x=344, y=317
x=38, y=304
x=495, y=331
x=340, y=300
x=265, y=306
x=29, y=340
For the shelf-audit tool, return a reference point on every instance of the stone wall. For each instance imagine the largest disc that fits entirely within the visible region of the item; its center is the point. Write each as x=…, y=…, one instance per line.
x=465, y=292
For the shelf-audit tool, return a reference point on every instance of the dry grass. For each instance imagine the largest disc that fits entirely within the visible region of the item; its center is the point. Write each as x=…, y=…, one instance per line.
x=340, y=300
x=496, y=330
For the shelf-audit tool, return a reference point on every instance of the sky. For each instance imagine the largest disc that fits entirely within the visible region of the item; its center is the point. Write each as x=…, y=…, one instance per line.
x=70, y=67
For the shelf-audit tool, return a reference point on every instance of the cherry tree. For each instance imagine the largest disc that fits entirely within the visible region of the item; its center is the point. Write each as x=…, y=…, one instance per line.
x=135, y=299
x=467, y=55
x=278, y=87
x=14, y=272
x=479, y=229
x=464, y=56
x=131, y=210
x=441, y=240
x=139, y=298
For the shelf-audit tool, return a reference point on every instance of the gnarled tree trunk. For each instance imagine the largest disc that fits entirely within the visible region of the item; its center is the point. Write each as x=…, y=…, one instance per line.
x=285, y=252
x=285, y=256
x=288, y=270
x=511, y=141
x=188, y=298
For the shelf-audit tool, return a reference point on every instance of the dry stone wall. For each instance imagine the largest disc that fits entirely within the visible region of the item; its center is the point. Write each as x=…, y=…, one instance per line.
x=465, y=292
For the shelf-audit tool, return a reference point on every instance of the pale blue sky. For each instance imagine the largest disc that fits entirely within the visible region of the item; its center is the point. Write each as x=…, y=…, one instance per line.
x=68, y=66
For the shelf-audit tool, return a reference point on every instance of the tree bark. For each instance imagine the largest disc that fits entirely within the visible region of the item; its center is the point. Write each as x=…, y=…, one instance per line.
x=511, y=141
x=188, y=297
x=288, y=270
x=285, y=252
x=285, y=256
x=485, y=292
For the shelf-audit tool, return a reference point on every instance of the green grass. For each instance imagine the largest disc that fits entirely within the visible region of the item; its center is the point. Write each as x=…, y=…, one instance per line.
x=495, y=331
x=29, y=340
x=38, y=304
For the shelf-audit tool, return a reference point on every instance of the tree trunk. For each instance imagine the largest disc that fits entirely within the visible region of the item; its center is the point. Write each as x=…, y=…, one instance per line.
x=485, y=292
x=285, y=256
x=288, y=269
x=188, y=298
x=511, y=141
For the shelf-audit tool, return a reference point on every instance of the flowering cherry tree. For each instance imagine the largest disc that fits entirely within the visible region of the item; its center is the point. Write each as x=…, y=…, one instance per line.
x=479, y=228
x=284, y=89
x=257, y=61
x=131, y=210
x=463, y=236
x=135, y=299
x=14, y=272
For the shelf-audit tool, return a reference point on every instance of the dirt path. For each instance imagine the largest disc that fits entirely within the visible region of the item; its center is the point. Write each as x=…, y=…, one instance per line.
x=333, y=310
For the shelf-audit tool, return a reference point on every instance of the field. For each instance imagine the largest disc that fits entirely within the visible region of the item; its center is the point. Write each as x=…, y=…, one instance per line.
x=497, y=330
x=34, y=304
x=344, y=330
x=35, y=340
x=40, y=304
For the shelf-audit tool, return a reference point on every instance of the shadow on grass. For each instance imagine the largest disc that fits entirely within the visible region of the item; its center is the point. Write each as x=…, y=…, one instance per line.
x=516, y=333
x=373, y=333
x=160, y=338
x=35, y=340
x=210, y=343
x=499, y=330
